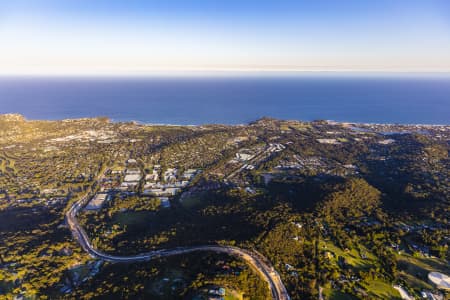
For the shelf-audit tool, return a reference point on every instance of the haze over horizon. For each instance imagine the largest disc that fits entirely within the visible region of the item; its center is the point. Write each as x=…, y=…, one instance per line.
x=145, y=37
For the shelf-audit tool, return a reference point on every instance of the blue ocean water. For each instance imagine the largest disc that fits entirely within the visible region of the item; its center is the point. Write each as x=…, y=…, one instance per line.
x=230, y=100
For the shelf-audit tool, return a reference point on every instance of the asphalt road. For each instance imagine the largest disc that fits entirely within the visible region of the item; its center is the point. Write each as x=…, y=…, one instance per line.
x=258, y=262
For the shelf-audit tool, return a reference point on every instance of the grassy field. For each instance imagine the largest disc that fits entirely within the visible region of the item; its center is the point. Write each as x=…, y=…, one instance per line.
x=414, y=270
x=378, y=289
x=330, y=294
x=424, y=263
x=352, y=257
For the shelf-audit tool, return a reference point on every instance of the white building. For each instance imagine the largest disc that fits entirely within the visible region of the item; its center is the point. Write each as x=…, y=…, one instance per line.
x=328, y=141
x=154, y=192
x=132, y=177
x=132, y=171
x=189, y=173
x=244, y=156
x=441, y=281
x=152, y=177
x=97, y=202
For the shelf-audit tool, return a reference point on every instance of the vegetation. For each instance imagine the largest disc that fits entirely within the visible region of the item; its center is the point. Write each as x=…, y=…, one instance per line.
x=341, y=210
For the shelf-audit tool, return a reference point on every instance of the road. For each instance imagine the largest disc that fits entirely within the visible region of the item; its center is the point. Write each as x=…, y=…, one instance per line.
x=255, y=260
x=403, y=293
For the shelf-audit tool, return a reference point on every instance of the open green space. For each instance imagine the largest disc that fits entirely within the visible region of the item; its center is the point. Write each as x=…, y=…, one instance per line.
x=379, y=289
x=352, y=256
x=414, y=270
x=331, y=294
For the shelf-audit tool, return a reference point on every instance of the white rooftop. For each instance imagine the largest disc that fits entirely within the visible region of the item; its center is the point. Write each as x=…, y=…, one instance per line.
x=244, y=156
x=132, y=177
x=96, y=202
x=442, y=281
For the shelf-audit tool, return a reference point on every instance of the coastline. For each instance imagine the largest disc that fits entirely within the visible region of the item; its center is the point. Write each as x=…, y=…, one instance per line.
x=143, y=123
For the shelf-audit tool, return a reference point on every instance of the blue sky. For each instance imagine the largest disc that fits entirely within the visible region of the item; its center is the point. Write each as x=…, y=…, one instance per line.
x=82, y=36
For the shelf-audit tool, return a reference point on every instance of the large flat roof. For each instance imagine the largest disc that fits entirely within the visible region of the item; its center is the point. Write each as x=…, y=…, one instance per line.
x=442, y=281
x=97, y=201
x=132, y=177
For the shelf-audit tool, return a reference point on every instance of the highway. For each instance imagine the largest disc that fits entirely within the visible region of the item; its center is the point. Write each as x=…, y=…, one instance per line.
x=255, y=260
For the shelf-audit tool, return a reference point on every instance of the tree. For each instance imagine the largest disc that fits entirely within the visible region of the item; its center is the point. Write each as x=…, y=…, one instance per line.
x=353, y=199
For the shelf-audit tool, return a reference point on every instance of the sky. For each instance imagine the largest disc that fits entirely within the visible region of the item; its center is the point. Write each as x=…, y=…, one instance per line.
x=141, y=37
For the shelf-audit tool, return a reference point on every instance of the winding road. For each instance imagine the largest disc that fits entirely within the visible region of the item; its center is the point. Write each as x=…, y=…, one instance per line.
x=258, y=262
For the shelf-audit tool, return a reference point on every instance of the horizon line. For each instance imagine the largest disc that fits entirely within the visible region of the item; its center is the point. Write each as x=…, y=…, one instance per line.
x=218, y=71
x=227, y=72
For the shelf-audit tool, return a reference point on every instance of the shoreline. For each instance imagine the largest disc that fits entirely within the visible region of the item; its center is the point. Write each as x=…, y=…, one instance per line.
x=144, y=123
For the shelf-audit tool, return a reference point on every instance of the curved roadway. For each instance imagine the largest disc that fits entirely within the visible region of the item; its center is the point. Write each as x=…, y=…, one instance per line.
x=258, y=262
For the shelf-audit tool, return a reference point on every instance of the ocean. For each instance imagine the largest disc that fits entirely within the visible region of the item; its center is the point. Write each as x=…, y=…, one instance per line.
x=230, y=100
